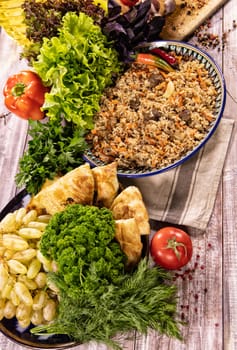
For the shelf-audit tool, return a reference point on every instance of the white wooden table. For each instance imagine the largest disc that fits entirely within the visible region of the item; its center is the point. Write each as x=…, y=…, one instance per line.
x=208, y=295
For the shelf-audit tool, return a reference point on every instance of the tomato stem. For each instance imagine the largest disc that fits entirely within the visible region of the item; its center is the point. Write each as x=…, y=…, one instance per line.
x=173, y=244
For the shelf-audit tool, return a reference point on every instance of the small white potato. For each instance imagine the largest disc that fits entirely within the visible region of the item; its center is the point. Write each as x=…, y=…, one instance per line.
x=16, y=267
x=25, y=256
x=30, y=216
x=49, y=311
x=9, y=309
x=14, y=242
x=23, y=293
x=39, y=300
x=33, y=268
x=30, y=233
x=41, y=279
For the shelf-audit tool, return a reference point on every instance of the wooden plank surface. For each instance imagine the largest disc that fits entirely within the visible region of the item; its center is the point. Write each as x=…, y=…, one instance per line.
x=188, y=16
x=207, y=293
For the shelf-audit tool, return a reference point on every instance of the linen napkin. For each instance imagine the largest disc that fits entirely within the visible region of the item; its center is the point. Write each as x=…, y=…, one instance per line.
x=186, y=195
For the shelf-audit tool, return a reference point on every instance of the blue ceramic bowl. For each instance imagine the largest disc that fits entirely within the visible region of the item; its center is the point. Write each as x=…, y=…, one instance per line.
x=180, y=48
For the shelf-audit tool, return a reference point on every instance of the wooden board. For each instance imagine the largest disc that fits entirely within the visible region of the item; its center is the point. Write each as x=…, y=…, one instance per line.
x=188, y=16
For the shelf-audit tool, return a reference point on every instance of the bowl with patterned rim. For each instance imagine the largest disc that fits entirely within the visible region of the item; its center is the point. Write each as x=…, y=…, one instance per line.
x=194, y=112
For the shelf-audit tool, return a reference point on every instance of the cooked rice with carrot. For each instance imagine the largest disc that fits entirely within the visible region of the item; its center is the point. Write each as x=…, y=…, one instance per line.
x=150, y=119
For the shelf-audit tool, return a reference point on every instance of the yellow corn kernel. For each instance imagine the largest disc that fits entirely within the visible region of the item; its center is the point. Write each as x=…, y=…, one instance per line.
x=16, y=267
x=9, y=309
x=49, y=311
x=14, y=242
x=33, y=268
x=25, y=256
x=23, y=293
x=30, y=233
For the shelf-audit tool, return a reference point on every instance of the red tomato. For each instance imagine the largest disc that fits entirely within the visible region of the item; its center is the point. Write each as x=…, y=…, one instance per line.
x=171, y=248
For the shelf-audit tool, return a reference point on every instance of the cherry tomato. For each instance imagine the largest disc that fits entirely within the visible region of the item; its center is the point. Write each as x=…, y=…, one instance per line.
x=171, y=248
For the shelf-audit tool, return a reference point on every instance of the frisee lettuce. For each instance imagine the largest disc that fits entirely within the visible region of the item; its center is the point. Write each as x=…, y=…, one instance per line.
x=78, y=64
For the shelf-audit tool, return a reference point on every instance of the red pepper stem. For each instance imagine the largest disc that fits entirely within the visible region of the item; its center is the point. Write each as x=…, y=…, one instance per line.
x=18, y=89
x=173, y=244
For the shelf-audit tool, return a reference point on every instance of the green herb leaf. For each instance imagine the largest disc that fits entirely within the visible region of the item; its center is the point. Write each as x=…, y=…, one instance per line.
x=98, y=299
x=54, y=149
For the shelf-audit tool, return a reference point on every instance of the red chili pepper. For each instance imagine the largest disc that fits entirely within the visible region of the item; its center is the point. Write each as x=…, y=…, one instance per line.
x=146, y=58
x=24, y=95
x=163, y=54
x=129, y=3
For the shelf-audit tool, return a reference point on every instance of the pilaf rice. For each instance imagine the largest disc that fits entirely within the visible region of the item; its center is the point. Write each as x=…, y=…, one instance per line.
x=151, y=119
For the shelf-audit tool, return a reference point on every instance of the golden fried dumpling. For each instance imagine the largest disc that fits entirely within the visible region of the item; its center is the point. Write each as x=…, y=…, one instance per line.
x=77, y=186
x=129, y=204
x=128, y=235
x=106, y=184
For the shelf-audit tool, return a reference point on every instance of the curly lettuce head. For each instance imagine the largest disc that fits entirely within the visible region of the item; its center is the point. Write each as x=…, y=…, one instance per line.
x=78, y=64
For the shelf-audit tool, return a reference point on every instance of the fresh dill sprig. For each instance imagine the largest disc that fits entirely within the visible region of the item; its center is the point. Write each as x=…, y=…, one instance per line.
x=142, y=300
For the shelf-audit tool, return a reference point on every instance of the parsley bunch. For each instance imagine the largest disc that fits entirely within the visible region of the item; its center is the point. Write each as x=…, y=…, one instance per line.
x=81, y=241
x=98, y=298
x=54, y=149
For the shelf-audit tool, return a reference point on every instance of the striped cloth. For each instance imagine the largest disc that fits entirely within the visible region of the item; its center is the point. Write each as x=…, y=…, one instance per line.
x=186, y=195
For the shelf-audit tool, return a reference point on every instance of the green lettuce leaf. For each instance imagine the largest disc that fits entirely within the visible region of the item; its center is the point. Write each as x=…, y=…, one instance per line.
x=78, y=64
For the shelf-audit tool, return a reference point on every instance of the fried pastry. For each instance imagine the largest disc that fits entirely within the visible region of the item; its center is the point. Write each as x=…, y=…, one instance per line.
x=128, y=235
x=129, y=204
x=106, y=184
x=77, y=186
